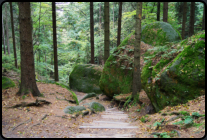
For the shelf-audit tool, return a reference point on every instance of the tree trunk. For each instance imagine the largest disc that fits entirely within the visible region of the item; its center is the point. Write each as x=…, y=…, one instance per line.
x=203, y=26
x=55, y=41
x=92, y=32
x=158, y=11
x=153, y=7
x=119, y=24
x=106, y=31
x=136, y=87
x=13, y=36
x=3, y=36
x=192, y=17
x=7, y=30
x=184, y=19
x=165, y=11
x=28, y=81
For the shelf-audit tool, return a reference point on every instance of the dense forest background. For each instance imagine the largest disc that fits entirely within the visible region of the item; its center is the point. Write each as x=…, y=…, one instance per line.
x=73, y=31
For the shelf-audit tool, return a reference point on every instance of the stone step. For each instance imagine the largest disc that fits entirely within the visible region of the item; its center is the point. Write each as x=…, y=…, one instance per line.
x=106, y=124
x=111, y=122
x=105, y=136
x=115, y=114
x=114, y=117
x=109, y=127
x=111, y=108
x=114, y=111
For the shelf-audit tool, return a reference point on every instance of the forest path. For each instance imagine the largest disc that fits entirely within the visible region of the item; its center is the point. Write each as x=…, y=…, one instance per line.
x=111, y=123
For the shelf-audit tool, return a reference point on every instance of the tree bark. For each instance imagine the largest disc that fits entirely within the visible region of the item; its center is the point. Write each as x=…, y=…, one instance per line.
x=106, y=31
x=136, y=87
x=7, y=30
x=192, y=17
x=28, y=81
x=3, y=36
x=165, y=11
x=184, y=19
x=119, y=24
x=158, y=11
x=203, y=26
x=55, y=41
x=13, y=36
x=92, y=32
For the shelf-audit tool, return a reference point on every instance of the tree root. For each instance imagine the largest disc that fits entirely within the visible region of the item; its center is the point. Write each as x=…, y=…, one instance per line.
x=36, y=103
x=21, y=124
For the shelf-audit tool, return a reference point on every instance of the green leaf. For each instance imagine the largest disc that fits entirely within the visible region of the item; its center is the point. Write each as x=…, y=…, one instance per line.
x=188, y=120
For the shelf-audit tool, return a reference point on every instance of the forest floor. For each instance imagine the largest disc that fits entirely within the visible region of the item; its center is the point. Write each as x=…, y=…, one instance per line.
x=49, y=121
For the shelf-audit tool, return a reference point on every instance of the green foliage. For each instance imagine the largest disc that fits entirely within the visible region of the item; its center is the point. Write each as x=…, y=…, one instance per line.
x=185, y=113
x=7, y=83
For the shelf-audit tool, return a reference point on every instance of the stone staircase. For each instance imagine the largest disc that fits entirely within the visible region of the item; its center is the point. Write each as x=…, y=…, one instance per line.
x=113, y=124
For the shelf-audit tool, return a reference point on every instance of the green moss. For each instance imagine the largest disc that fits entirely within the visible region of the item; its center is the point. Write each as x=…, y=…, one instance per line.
x=85, y=78
x=7, y=83
x=125, y=41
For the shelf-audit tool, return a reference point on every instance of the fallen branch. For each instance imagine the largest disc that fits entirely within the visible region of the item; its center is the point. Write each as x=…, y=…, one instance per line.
x=21, y=124
x=34, y=125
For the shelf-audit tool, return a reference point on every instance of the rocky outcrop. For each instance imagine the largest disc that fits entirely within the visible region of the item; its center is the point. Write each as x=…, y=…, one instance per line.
x=85, y=78
x=116, y=77
x=175, y=80
x=171, y=73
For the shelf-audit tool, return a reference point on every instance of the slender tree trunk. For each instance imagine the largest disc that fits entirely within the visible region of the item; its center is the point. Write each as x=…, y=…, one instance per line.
x=184, y=19
x=3, y=36
x=158, y=11
x=203, y=26
x=165, y=11
x=7, y=30
x=136, y=87
x=13, y=36
x=39, y=18
x=55, y=41
x=92, y=32
x=106, y=31
x=119, y=24
x=28, y=81
x=153, y=7
x=192, y=17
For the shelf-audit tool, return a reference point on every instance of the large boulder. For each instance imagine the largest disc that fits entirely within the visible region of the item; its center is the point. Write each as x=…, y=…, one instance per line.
x=175, y=80
x=159, y=33
x=85, y=78
x=7, y=83
x=116, y=77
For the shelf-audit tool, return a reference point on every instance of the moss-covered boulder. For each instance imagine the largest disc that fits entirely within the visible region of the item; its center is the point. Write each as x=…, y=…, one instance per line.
x=73, y=109
x=159, y=33
x=95, y=106
x=85, y=78
x=7, y=83
x=178, y=77
x=116, y=77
